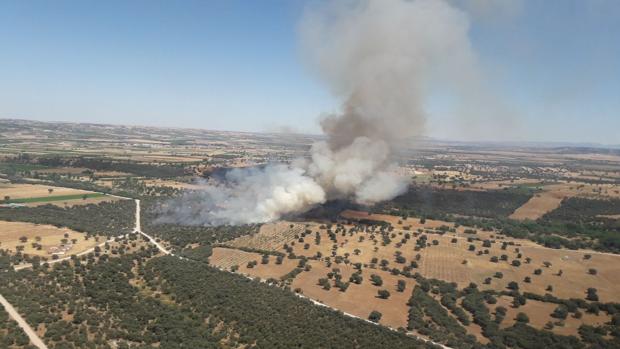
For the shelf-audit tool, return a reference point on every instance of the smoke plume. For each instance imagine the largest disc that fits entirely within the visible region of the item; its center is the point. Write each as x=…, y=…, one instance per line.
x=380, y=57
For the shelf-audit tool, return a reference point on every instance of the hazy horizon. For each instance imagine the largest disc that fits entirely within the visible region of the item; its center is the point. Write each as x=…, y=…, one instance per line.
x=549, y=71
x=319, y=134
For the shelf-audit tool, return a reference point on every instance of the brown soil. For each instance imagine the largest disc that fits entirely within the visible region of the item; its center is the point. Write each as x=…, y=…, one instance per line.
x=539, y=314
x=359, y=300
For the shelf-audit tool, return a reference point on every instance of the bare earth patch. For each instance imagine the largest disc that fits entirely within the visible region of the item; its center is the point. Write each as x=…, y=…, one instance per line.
x=359, y=300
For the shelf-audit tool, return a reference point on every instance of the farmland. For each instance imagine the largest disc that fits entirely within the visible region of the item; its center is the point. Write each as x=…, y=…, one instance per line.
x=550, y=197
x=458, y=256
x=42, y=240
x=36, y=194
x=310, y=174
x=485, y=248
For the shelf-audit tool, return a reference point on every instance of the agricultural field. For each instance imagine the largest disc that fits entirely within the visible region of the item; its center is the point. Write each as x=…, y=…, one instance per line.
x=270, y=236
x=487, y=246
x=37, y=194
x=550, y=197
x=359, y=300
x=434, y=250
x=540, y=316
x=242, y=262
x=43, y=240
x=538, y=205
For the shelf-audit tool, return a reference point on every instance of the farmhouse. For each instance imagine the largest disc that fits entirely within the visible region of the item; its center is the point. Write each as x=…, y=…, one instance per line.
x=60, y=250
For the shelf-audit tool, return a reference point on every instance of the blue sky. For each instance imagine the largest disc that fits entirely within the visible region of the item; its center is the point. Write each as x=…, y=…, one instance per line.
x=235, y=65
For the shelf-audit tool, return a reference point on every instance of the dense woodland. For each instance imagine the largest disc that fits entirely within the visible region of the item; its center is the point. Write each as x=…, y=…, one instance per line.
x=268, y=316
x=577, y=223
x=96, y=300
x=106, y=218
x=437, y=203
x=103, y=164
x=11, y=335
x=93, y=304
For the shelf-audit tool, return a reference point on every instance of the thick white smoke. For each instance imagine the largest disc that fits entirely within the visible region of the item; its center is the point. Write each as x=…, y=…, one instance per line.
x=246, y=196
x=379, y=57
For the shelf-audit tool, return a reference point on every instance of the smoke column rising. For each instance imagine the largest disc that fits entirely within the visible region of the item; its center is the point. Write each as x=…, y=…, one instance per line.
x=378, y=57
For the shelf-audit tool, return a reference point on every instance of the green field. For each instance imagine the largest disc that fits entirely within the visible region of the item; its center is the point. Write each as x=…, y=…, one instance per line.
x=55, y=198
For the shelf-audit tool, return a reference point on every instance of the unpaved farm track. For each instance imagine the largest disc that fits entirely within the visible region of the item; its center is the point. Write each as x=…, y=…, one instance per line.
x=34, y=338
x=32, y=335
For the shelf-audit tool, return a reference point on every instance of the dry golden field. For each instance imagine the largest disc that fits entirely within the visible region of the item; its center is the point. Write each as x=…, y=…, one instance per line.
x=539, y=314
x=552, y=195
x=26, y=191
x=445, y=262
x=538, y=205
x=359, y=300
x=22, y=191
x=172, y=183
x=227, y=257
x=445, y=257
x=50, y=236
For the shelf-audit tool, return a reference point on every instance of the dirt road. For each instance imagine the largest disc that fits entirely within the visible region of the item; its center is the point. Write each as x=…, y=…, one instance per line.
x=138, y=229
x=34, y=338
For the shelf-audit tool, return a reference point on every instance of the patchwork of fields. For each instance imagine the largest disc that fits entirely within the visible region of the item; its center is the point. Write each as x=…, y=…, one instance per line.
x=461, y=256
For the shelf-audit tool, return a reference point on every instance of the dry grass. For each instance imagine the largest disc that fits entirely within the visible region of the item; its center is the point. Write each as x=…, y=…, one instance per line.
x=397, y=222
x=271, y=236
x=10, y=232
x=551, y=197
x=173, y=184
x=445, y=262
x=611, y=216
x=538, y=205
x=539, y=314
x=25, y=191
x=226, y=258
x=359, y=300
